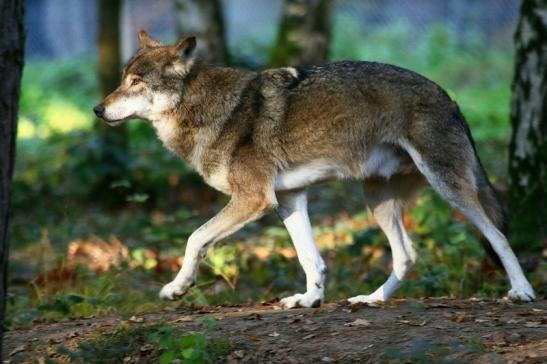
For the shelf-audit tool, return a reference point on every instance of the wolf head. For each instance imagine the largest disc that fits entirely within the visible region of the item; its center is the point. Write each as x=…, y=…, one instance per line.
x=151, y=81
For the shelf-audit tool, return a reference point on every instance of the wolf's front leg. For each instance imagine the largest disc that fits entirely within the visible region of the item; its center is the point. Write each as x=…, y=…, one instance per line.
x=294, y=212
x=242, y=208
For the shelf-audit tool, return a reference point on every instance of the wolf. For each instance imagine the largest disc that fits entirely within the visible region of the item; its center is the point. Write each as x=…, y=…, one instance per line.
x=264, y=137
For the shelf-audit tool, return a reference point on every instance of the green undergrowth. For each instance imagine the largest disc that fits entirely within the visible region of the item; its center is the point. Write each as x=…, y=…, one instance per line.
x=157, y=343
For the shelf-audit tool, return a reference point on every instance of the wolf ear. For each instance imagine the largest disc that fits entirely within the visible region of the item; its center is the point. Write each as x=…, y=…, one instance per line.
x=146, y=41
x=185, y=47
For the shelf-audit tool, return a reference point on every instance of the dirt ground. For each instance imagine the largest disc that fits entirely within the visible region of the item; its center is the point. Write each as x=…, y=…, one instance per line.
x=401, y=331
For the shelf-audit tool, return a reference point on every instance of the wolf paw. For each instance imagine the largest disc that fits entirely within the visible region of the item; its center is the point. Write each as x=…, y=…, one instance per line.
x=308, y=299
x=523, y=292
x=173, y=290
x=370, y=298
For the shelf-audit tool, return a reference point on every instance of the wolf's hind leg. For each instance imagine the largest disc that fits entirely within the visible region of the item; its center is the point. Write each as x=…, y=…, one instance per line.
x=293, y=211
x=456, y=180
x=385, y=199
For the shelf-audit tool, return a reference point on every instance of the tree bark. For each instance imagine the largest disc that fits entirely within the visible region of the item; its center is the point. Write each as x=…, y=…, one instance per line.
x=528, y=146
x=12, y=46
x=205, y=20
x=113, y=142
x=304, y=33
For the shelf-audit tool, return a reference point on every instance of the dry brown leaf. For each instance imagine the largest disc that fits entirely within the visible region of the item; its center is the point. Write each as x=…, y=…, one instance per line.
x=136, y=319
x=72, y=335
x=358, y=322
x=414, y=323
x=186, y=318
x=97, y=254
x=17, y=350
x=462, y=317
x=146, y=348
x=239, y=354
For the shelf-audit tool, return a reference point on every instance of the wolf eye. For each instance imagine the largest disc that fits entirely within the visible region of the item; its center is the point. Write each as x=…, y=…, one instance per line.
x=135, y=81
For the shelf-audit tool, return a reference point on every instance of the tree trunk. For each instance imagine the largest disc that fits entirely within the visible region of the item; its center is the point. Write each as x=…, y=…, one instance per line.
x=304, y=33
x=528, y=147
x=204, y=19
x=113, y=142
x=12, y=46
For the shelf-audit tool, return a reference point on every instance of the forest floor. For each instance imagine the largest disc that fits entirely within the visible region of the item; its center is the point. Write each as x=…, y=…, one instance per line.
x=400, y=331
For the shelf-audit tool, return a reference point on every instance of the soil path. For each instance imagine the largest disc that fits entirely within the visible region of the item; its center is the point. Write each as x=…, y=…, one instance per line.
x=424, y=331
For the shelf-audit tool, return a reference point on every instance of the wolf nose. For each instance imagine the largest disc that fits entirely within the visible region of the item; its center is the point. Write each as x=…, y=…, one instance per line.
x=99, y=110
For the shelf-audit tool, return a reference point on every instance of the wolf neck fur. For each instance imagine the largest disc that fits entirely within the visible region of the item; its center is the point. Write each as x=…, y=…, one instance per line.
x=208, y=96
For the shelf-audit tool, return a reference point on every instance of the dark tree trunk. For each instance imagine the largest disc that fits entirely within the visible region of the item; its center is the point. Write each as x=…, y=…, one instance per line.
x=304, y=33
x=205, y=20
x=113, y=142
x=528, y=148
x=12, y=45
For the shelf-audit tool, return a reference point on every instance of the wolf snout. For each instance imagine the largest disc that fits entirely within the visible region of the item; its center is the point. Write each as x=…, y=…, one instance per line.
x=99, y=110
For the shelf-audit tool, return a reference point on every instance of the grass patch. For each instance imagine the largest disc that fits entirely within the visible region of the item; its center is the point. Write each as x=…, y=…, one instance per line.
x=161, y=343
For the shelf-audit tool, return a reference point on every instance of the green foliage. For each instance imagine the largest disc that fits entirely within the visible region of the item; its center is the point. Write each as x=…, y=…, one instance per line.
x=159, y=343
x=192, y=348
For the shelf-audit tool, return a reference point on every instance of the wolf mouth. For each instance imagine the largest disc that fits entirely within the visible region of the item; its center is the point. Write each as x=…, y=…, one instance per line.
x=116, y=121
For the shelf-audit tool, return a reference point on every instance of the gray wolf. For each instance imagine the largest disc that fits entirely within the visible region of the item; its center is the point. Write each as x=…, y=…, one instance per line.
x=264, y=137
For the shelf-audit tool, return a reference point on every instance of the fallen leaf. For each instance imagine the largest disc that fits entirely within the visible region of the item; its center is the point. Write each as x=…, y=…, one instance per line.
x=17, y=350
x=186, y=318
x=515, y=337
x=239, y=354
x=358, y=322
x=413, y=323
x=462, y=317
x=498, y=338
x=136, y=319
x=437, y=305
x=146, y=348
x=72, y=335
x=253, y=316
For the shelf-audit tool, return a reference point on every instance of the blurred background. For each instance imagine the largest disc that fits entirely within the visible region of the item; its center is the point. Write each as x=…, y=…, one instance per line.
x=101, y=215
